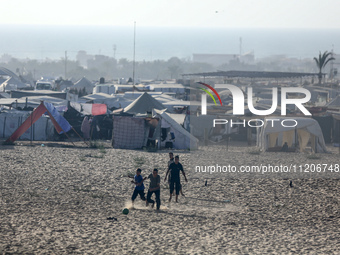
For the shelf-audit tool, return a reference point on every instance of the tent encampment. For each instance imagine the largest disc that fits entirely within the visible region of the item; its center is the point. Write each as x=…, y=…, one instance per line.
x=273, y=135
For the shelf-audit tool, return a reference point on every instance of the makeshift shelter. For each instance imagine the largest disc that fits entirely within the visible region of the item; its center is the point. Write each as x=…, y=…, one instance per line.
x=336, y=129
x=11, y=120
x=133, y=132
x=180, y=138
x=272, y=135
x=60, y=123
x=325, y=122
x=143, y=104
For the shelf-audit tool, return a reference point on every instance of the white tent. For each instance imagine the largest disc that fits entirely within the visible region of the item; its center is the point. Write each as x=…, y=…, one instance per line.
x=183, y=139
x=143, y=104
x=12, y=84
x=84, y=83
x=274, y=134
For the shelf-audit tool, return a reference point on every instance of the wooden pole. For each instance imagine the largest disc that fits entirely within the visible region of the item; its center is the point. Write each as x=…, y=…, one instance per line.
x=80, y=137
x=249, y=134
x=31, y=127
x=134, y=56
x=205, y=136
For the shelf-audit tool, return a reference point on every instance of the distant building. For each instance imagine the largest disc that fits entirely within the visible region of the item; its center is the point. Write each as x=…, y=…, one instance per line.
x=105, y=88
x=166, y=88
x=214, y=59
x=220, y=59
x=82, y=58
x=98, y=61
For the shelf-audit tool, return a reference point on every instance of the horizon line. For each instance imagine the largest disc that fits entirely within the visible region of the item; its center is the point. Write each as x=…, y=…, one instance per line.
x=166, y=26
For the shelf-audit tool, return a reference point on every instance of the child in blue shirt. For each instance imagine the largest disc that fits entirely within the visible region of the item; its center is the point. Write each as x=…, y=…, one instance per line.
x=139, y=185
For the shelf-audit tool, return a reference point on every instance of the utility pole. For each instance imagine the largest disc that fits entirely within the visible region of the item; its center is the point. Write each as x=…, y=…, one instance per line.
x=240, y=47
x=65, y=64
x=114, y=51
x=134, y=55
x=332, y=63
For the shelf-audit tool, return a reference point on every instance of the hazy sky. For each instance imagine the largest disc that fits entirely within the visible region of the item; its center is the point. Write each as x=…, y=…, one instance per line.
x=198, y=13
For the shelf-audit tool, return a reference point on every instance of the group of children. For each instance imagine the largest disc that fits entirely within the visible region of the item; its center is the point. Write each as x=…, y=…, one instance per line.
x=174, y=169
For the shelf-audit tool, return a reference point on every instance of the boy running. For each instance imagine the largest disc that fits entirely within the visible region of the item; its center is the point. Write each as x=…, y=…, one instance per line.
x=139, y=188
x=154, y=187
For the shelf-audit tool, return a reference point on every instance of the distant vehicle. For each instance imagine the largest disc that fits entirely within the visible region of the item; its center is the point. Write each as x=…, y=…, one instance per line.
x=44, y=85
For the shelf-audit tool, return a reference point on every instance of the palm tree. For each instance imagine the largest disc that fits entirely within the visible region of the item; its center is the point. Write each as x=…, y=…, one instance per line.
x=322, y=61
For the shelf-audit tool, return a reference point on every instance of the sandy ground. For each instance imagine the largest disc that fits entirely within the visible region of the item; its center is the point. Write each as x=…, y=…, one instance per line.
x=56, y=199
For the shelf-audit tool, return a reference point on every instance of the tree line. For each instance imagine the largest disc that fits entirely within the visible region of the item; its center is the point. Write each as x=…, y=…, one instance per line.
x=112, y=69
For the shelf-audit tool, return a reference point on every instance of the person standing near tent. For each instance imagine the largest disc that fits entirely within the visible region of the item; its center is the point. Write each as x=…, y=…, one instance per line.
x=139, y=185
x=285, y=147
x=175, y=180
x=95, y=128
x=154, y=187
x=85, y=128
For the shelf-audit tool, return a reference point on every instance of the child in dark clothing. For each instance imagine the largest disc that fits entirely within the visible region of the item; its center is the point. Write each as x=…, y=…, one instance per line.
x=139, y=186
x=154, y=187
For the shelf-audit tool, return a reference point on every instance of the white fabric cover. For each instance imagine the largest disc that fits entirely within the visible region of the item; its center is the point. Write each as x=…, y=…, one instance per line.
x=306, y=130
x=183, y=139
